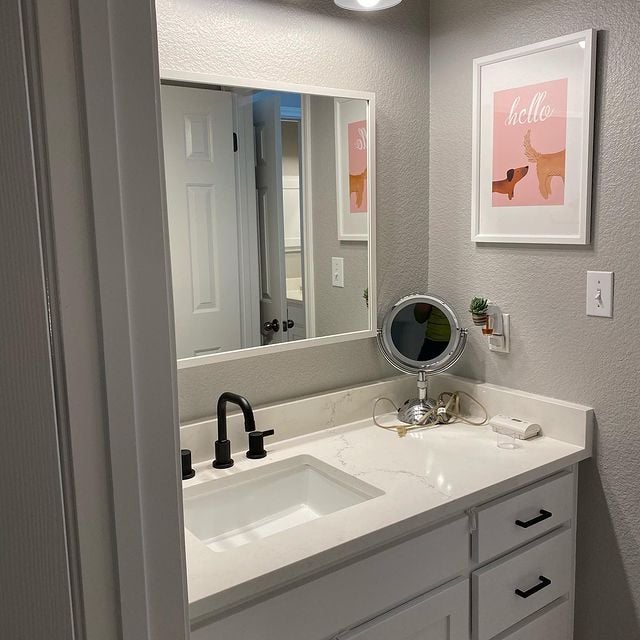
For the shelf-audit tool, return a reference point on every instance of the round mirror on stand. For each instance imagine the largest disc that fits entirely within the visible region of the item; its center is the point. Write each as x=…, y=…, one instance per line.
x=421, y=335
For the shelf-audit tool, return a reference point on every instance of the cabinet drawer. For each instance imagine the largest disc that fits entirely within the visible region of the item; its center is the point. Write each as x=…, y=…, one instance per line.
x=552, y=623
x=509, y=522
x=508, y=590
x=353, y=594
x=442, y=614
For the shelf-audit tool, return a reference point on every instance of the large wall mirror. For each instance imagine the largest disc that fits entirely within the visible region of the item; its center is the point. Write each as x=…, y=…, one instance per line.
x=271, y=210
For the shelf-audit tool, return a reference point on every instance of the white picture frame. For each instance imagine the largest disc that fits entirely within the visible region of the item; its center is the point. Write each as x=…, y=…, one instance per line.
x=352, y=226
x=545, y=196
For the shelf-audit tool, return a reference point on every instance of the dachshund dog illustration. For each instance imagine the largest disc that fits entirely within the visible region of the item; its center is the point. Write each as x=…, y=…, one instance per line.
x=548, y=165
x=357, y=185
x=507, y=186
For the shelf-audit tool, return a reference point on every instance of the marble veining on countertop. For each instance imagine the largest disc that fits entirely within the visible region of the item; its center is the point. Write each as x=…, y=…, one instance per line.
x=427, y=476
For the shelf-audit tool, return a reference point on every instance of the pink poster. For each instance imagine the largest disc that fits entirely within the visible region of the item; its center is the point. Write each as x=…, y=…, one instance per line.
x=529, y=145
x=358, y=166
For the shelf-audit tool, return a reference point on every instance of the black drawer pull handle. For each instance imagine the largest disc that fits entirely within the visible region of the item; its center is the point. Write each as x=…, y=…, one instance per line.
x=544, y=515
x=544, y=582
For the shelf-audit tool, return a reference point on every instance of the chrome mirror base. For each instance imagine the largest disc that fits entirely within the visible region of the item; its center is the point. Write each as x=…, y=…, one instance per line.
x=415, y=410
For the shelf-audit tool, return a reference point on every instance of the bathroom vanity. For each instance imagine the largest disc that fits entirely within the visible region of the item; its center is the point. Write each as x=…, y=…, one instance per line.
x=437, y=535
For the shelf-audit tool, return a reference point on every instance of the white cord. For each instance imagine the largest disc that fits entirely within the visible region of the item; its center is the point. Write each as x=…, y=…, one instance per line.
x=446, y=411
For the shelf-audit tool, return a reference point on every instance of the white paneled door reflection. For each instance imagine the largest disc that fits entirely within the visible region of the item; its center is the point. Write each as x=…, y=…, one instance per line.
x=203, y=231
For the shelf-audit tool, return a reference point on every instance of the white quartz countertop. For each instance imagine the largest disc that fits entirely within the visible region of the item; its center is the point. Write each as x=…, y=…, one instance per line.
x=426, y=477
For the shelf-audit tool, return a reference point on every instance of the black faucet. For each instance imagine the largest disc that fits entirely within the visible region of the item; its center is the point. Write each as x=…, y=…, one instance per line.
x=223, y=459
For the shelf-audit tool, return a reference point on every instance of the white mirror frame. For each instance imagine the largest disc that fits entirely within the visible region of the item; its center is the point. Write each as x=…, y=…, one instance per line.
x=191, y=78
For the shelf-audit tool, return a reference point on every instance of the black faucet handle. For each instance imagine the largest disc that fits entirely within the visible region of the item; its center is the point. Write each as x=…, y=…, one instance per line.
x=256, y=444
x=187, y=468
x=223, y=459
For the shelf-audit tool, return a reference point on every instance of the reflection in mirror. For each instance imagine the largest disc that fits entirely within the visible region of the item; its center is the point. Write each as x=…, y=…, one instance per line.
x=421, y=331
x=258, y=258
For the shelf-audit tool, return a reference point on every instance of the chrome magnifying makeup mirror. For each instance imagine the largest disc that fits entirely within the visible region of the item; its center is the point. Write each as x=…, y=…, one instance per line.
x=421, y=335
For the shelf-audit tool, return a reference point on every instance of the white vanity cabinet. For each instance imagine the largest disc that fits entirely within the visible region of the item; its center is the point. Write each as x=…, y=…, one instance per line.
x=503, y=570
x=358, y=592
x=442, y=614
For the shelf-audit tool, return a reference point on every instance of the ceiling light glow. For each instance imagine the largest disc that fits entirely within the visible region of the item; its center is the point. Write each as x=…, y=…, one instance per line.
x=366, y=5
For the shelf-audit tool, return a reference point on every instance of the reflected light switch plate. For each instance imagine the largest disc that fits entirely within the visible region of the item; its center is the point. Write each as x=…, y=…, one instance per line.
x=600, y=293
x=337, y=272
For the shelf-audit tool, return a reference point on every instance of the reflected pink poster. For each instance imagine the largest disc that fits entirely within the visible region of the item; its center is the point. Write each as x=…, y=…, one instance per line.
x=358, y=166
x=529, y=145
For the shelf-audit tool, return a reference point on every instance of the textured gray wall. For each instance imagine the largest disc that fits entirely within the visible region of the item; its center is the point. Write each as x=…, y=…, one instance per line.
x=314, y=42
x=556, y=349
x=34, y=578
x=338, y=309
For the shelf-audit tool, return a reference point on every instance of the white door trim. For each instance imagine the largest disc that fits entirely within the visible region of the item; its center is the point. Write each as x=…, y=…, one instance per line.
x=309, y=296
x=121, y=90
x=247, y=222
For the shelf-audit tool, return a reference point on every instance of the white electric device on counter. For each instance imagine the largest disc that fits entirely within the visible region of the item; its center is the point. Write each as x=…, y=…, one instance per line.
x=519, y=429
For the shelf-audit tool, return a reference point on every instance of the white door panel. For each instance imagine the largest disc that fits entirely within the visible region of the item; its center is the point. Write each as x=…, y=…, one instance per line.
x=203, y=229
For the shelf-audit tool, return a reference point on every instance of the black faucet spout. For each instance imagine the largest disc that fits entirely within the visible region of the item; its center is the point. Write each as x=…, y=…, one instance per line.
x=243, y=403
x=223, y=459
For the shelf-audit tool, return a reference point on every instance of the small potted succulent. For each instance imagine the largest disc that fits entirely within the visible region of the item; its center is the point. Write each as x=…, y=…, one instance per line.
x=478, y=310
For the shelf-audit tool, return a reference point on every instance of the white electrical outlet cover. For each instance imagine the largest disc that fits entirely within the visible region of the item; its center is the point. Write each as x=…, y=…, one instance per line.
x=502, y=344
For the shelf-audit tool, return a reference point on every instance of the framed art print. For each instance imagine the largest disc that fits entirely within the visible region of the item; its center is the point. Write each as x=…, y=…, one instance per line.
x=352, y=181
x=532, y=142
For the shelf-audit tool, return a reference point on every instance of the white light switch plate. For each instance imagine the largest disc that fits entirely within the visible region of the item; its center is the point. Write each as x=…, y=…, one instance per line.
x=600, y=293
x=337, y=272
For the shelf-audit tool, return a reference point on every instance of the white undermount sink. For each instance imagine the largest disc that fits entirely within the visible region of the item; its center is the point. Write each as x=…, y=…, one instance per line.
x=251, y=505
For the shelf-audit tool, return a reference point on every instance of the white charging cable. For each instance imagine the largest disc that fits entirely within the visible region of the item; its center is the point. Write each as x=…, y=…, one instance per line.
x=447, y=410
